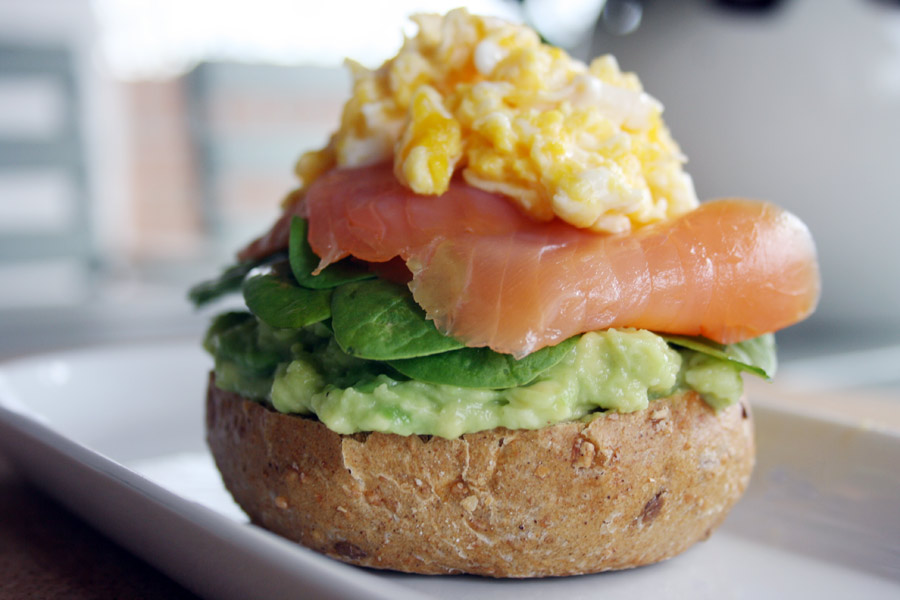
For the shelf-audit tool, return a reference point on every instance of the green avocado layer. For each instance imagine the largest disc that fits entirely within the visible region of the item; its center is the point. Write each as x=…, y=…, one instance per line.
x=304, y=371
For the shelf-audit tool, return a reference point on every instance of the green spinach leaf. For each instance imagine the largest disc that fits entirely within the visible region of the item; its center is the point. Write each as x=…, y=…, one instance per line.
x=229, y=281
x=482, y=367
x=379, y=320
x=233, y=336
x=304, y=261
x=273, y=297
x=756, y=355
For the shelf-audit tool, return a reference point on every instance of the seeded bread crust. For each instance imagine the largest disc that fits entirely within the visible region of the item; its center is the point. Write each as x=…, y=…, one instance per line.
x=621, y=491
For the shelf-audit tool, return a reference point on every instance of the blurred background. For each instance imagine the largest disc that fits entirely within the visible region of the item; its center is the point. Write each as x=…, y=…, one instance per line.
x=142, y=142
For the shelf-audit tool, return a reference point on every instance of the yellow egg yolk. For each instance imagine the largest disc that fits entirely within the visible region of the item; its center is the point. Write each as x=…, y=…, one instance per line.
x=485, y=98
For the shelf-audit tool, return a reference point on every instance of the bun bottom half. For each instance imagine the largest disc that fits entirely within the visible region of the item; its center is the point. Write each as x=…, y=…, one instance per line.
x=621, y=491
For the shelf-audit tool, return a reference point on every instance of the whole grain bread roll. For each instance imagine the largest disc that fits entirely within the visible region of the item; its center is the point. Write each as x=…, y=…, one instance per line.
x=621, y=491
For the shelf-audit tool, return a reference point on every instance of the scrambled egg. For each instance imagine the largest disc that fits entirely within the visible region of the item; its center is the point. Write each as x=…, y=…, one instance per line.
x=486, y=98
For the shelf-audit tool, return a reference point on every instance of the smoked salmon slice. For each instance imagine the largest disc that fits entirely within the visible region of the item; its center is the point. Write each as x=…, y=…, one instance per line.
x=490, y=276
x=366, y=212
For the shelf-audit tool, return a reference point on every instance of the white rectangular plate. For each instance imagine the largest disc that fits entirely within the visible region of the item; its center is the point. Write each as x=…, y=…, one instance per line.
x=116, y=433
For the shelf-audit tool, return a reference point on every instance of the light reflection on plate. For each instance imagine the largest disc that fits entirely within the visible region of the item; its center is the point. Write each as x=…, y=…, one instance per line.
x=194, y=477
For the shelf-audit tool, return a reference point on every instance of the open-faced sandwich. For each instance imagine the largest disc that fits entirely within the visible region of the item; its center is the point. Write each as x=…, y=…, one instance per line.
x=493, y=331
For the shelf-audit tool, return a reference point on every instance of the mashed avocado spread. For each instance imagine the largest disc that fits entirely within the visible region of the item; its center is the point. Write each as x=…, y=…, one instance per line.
x=304, y=371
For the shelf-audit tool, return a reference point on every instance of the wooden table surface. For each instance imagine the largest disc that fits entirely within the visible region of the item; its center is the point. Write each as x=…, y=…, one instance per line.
x=47, y=552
